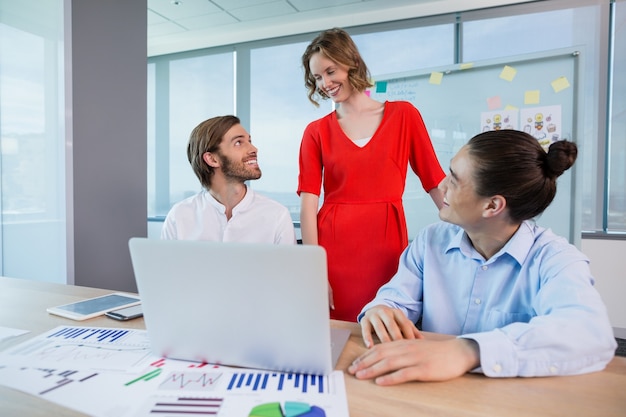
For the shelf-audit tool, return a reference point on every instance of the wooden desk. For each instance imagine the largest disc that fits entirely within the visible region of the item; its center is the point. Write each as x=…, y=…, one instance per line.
x=23, y=305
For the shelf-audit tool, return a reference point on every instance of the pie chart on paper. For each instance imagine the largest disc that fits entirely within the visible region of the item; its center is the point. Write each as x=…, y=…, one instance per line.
x=290, y=409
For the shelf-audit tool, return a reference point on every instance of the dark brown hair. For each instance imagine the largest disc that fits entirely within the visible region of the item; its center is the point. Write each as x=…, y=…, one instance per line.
x=336, y=45
x=206, y=137
x=513, y=164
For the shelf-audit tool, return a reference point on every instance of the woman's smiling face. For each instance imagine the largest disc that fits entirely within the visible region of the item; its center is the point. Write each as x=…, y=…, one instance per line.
x=330, y=77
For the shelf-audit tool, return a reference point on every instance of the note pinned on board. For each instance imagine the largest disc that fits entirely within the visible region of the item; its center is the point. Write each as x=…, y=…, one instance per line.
x=381, y=86
x=532, y=97
x=560, y=84
x=510, y=107
x=466, y=65
x=508, y=73
x=494, y=103
x=435, y=78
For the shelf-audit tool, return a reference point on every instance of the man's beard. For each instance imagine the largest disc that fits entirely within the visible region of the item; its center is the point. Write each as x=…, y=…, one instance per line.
x=238, y=170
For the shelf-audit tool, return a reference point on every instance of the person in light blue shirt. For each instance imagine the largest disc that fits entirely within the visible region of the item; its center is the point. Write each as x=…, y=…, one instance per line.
x=519, y=299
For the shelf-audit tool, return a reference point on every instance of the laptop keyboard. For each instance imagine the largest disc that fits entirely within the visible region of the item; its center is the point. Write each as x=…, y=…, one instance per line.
x=621, y=347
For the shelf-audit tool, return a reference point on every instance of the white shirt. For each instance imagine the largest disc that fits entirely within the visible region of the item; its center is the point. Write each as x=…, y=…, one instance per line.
x=256, y=219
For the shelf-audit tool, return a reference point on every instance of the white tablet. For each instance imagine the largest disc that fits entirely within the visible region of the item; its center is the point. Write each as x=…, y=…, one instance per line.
x=93, y=307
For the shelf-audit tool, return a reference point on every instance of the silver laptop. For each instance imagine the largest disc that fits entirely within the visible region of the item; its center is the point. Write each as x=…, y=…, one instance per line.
x=240, y=304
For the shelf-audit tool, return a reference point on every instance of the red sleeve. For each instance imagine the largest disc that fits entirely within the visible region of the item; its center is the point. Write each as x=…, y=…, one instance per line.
x=310, y=176
x=422, y=156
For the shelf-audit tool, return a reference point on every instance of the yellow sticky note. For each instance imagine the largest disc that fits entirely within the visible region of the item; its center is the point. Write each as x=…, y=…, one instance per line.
x=436, y=77
x=510, y=107
x=560, y=84
x=508, y=73
x=531, y=97
x=466, y=65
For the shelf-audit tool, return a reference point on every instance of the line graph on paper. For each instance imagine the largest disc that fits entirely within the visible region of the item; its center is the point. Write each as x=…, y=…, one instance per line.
x=85, y=347
x=191, y=381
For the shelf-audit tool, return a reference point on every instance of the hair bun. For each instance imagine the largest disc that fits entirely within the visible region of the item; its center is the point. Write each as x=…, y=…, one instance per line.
x=560, y=157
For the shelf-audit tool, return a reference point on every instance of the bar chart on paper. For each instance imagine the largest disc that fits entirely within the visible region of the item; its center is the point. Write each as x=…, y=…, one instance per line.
x=277, y=381
x=85, y=347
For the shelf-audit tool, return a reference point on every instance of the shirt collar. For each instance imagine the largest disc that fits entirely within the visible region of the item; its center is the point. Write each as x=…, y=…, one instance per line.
x=243, y=204
x=517, y=247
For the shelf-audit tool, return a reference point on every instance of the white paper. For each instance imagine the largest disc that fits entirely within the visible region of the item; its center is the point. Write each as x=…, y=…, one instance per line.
x=105, y=372
x=7, y=333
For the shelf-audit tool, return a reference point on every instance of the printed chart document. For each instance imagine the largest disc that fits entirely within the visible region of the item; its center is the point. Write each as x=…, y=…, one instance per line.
x=8, y=332
x=107, y=371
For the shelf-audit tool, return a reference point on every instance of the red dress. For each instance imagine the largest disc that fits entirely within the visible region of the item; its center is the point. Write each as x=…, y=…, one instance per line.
x=361, y=223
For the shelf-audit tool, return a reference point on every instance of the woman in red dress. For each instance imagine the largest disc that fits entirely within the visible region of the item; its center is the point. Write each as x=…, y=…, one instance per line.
x=360, y=154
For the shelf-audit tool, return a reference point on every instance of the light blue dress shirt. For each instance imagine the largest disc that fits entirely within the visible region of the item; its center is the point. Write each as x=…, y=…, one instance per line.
x=531, y=308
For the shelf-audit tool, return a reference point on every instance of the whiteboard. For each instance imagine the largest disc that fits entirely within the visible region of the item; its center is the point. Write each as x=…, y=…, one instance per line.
x=454, y=102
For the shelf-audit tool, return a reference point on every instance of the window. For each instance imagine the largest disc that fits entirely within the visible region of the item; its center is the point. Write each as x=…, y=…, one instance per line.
x=32, y=158
x=407, y=49
x=521, y=34
x=279, y=112
x=616, y=213
x=186, y=91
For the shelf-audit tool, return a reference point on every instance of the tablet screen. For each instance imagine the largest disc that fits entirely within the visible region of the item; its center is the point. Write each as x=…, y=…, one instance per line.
x=94, y=305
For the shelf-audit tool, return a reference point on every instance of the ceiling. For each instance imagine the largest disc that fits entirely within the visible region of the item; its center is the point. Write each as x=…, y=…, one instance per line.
x=182, y=25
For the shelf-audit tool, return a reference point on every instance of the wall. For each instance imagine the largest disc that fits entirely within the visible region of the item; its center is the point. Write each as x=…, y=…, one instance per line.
x=106, y=114
x=608, y=265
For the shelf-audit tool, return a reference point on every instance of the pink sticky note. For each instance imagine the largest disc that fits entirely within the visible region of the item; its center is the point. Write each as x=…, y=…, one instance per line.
x=494, y=102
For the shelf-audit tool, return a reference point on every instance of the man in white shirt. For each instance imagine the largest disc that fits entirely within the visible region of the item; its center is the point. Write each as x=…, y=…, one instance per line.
x=223, y=158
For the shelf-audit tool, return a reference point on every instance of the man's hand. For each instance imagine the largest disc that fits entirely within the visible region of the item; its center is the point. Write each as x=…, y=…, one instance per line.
x=388, y=324
x=417, y=360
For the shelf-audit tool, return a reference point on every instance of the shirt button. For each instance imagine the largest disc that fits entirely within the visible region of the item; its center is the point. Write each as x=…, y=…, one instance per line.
x=553, y=369
x=477, y=301
x=485, y=267
x=497, y=368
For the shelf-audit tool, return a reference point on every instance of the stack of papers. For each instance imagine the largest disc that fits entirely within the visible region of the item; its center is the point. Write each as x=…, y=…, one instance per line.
x=109, y=371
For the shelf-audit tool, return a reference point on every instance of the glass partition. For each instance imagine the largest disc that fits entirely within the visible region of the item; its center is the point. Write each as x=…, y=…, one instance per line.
x=32, y=158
